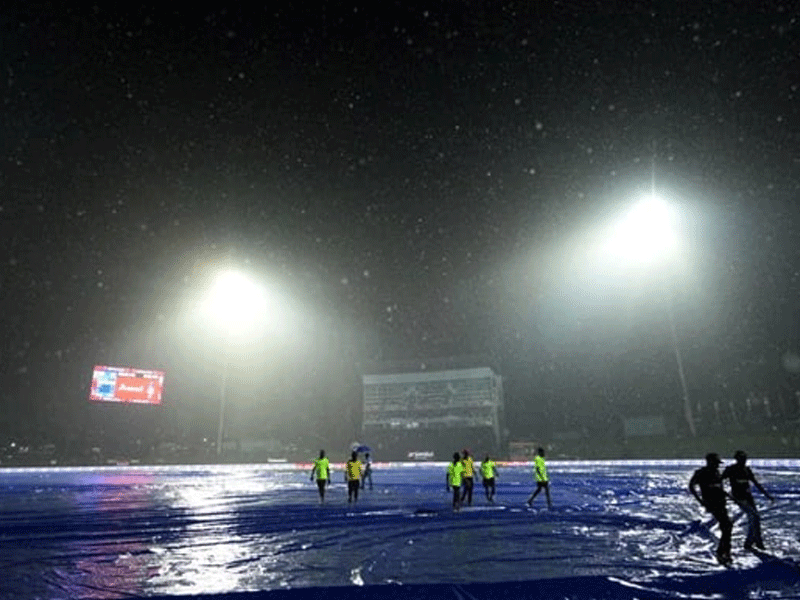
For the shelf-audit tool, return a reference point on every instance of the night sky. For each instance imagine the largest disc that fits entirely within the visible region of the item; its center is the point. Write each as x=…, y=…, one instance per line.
x=413, y=175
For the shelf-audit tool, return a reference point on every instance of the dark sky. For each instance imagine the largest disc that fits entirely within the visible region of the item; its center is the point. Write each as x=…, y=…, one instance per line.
x=410, y=171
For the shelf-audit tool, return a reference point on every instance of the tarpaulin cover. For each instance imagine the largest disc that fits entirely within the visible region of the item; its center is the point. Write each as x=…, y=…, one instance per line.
x=616, y=530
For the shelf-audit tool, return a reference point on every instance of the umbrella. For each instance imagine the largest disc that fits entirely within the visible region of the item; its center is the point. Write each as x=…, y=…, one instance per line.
x=362, y=449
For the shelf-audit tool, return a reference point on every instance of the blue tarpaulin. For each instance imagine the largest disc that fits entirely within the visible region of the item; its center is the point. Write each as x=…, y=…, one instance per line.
x=616, y=530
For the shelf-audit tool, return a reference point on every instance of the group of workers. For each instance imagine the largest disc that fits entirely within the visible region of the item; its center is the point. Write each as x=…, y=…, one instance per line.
x=356, y=475
x=460, y=478
x=713, y=497
x=709, y=480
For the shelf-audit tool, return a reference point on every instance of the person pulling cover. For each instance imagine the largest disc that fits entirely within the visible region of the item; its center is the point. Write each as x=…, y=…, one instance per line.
x=740, y=476
x=713, y=498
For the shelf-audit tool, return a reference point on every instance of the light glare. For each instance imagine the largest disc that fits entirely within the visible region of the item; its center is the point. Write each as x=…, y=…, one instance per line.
x=237, y=303
x=644, y=235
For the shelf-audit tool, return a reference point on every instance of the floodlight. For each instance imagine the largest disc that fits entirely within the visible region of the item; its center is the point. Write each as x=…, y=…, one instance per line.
x=235, y=301
x=644, y=235
x=246, y=312
x=242, y=307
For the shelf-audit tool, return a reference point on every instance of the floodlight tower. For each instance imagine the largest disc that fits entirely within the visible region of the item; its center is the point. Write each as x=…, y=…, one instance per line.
x=235, y=303
x=645, y=237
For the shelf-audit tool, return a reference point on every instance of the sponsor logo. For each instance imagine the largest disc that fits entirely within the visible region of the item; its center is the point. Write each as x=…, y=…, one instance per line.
x=421, y=455
x=131, y=388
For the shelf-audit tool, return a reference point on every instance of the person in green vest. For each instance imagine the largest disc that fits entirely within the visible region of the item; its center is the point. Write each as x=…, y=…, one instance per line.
x=468, y=478
x=322, y=469
x=455, y=471
x=542, y=480
x=488, y=473
x=352, y=475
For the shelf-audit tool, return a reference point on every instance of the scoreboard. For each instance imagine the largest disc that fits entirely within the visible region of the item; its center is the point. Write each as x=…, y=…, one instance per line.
x=126, y=385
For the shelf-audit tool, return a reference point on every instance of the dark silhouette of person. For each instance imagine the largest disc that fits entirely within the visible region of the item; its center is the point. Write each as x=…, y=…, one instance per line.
x=713, y=498
x=740, y=476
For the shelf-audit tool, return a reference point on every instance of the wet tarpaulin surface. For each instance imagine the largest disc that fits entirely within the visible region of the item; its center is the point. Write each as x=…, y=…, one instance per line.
x=616, y=530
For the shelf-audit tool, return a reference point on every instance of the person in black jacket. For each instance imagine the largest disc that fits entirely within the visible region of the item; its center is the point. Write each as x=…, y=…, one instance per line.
x=714, y=499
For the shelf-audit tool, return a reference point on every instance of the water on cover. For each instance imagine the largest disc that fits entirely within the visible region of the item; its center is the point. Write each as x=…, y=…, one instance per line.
x=616, y=530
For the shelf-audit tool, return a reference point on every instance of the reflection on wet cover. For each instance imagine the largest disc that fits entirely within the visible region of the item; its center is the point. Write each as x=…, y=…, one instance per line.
x=113, y=533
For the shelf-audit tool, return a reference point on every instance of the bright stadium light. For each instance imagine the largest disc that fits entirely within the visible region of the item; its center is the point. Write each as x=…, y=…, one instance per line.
x=235, y=303
x=239, y=306
x=646, y=237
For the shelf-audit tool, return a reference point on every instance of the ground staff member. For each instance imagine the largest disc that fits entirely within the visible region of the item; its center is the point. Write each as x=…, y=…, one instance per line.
x=740, y=476
x=322, y=469
x=352, y=475
x=542, y=480
x=455, y=471
x=713, y=498
x=488, y=473
x=367, y=471
x=468, y=479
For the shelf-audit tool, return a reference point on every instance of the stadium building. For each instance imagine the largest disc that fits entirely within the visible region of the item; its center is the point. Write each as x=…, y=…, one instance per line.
x=428, y=415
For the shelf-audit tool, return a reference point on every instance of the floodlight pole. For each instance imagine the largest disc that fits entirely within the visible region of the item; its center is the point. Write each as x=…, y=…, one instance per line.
x=687, y=405
x=222, y=401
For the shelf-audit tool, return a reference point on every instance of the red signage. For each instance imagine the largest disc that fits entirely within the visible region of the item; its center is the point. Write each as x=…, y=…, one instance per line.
x=124, y=384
